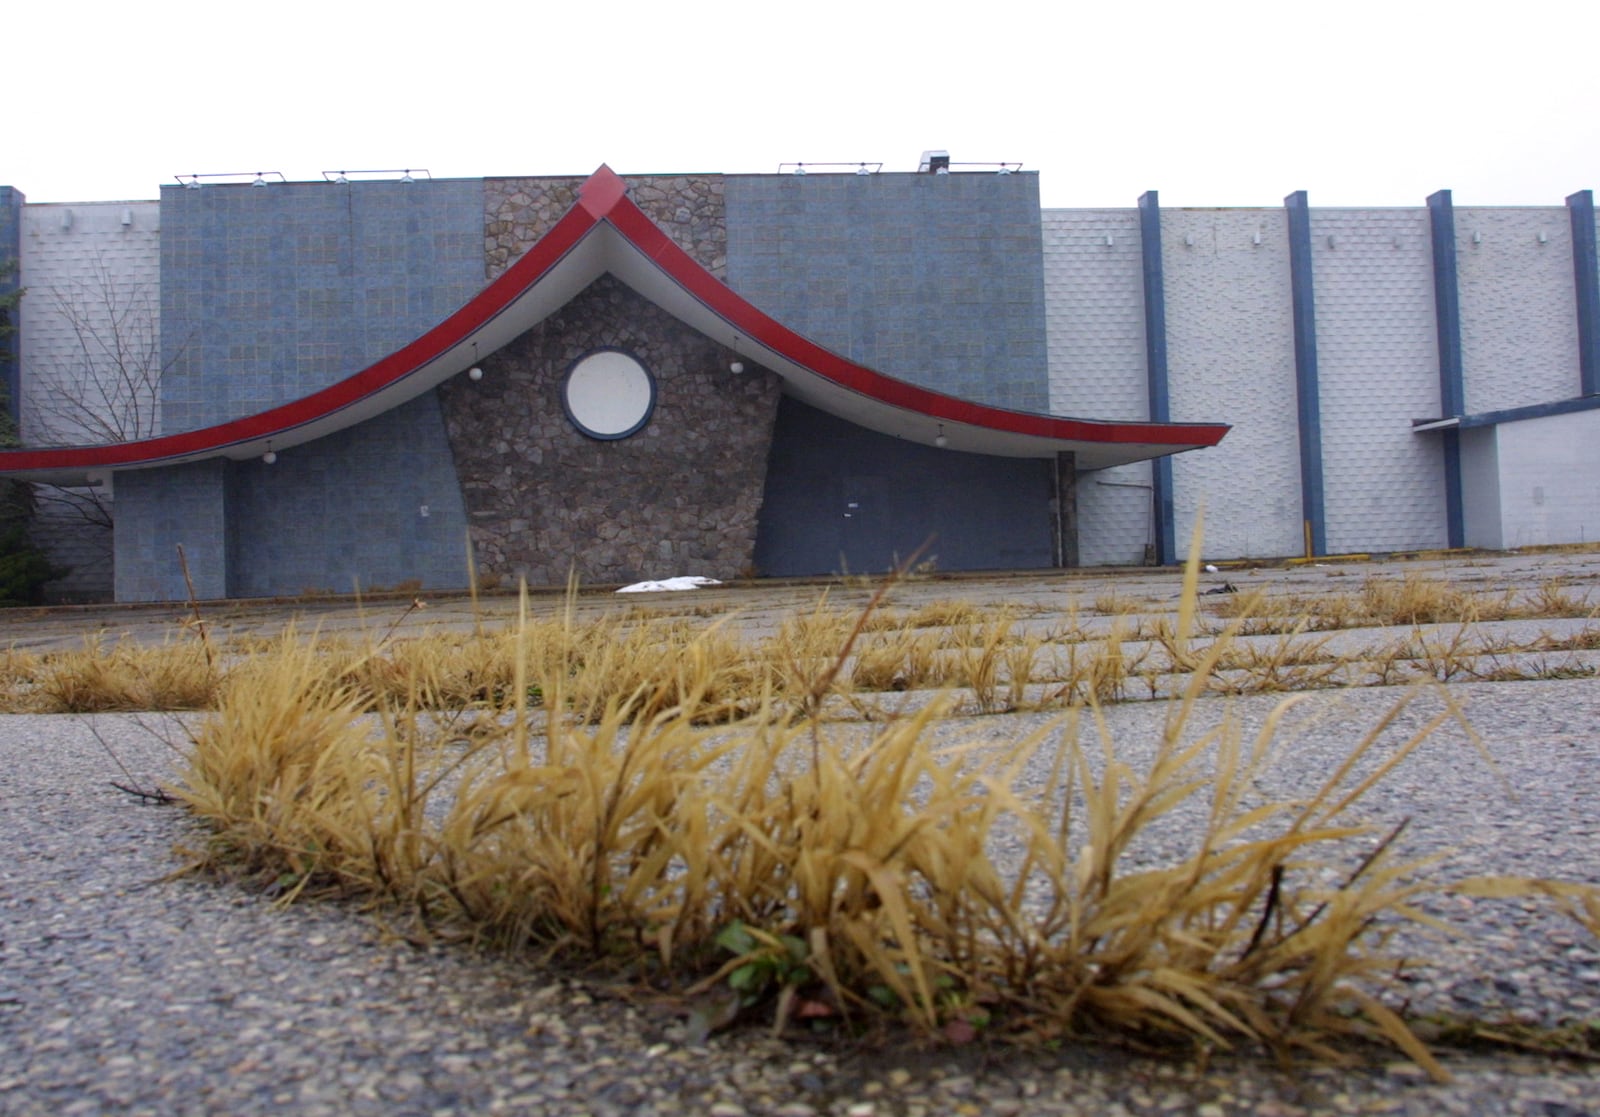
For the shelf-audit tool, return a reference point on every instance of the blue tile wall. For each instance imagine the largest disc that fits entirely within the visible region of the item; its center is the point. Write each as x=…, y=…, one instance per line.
x=345, y=512
x=270, y=293
x=935, y=279
x=159, y=509
x=841, y=499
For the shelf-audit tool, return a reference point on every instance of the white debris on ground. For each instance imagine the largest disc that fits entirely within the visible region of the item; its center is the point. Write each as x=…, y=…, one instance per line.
x=685, y=582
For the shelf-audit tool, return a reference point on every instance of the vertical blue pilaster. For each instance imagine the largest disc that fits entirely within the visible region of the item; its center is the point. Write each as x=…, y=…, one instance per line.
x=11, y=200
x=1586, y=285
x=1155, y=348
x=1312, y=505
x=1452, y=384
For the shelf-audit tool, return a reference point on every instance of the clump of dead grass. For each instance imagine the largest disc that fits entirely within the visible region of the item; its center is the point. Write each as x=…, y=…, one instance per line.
x=120, y=675
x=1413, y=599
x=592, y=814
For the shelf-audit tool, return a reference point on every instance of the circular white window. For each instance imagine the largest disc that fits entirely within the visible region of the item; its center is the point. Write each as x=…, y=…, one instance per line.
x=608, y=394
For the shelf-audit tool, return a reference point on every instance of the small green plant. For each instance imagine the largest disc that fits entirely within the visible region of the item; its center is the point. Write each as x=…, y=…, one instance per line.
x=766, y=966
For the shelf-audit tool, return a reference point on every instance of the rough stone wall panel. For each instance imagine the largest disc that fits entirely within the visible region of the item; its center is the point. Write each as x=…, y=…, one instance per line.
x=518, y=211
x=679, y=497
x=1378, y=366
x=1519, y=318
x=1230, y=337
x=935, y=279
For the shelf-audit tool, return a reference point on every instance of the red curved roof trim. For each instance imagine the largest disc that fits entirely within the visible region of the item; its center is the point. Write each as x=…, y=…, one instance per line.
x=602, y=198
x=632, y=223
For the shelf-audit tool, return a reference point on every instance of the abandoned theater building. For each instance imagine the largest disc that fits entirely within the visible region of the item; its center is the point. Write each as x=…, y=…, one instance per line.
x=384, y=379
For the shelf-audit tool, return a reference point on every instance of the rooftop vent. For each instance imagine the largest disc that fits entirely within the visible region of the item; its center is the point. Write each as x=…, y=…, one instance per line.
x=934, y=163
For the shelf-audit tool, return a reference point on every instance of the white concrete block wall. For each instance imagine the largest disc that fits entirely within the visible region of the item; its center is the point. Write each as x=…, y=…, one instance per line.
x=1378, y=369
x=1519, y=318
x=1547, y=488
x=111, y=272
x=109, y=269
x=67, y=527
x=1480, y=487
x=1094, y=320
x=1116, y=515
x=1094, y=313
x=1230, y=345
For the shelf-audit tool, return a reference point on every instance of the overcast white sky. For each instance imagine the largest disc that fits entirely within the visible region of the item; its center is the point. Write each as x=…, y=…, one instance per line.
x=1221, y=102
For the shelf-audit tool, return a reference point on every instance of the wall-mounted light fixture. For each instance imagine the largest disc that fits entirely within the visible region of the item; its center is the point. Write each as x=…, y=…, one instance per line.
x=270, y=457
x=1331, y=242
x=127, y=216
x=1477, y=238
x=474, y=373
x=1256, y=239
x=1111, y=241
x=1544, y=237
x=66, y=220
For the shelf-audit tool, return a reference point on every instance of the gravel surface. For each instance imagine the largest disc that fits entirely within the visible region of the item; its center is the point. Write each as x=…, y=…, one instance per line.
x=124, y=992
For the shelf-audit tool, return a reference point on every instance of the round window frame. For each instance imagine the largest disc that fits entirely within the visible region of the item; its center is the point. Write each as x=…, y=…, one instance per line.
x=608, y=436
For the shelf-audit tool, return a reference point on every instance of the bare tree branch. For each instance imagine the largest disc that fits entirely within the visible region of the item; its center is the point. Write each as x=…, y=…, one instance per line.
x=107, y=388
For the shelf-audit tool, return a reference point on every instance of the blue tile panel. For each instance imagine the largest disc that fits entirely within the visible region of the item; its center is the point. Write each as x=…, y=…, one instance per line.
x=935, y=279
x=271, y=293
x=1586, y=285
x=157, y=511
x=1158, y=384
x=11, y=200
x=1452, y=380
x=1297, y=207
x=345, y=512
x=840, y=499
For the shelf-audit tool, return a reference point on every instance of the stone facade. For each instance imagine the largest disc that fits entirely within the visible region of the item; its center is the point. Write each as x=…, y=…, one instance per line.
x=679, y=497
x=689, y=208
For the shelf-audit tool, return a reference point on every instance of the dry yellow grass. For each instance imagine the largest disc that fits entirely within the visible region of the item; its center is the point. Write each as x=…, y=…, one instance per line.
x=110, y=675
x=1413, y=599
x=589, y=812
